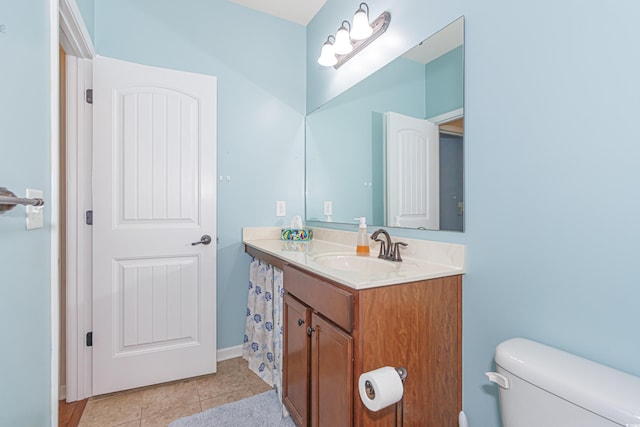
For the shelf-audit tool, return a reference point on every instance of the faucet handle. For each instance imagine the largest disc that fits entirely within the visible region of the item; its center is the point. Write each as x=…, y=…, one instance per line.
x=395, y=255
x=383, y=250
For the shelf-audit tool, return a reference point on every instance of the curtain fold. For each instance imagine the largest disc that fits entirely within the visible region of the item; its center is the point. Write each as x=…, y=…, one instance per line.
x=262, y=346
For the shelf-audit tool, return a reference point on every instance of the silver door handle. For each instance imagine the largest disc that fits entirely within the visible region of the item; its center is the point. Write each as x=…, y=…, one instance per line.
x=204, y=240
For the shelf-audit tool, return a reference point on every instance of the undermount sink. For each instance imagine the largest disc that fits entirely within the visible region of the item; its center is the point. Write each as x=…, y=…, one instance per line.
x=370, y=264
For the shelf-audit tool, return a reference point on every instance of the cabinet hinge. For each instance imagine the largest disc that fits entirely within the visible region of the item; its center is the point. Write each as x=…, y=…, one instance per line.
x=88, y=217
x=89, y=96
x=89, y=339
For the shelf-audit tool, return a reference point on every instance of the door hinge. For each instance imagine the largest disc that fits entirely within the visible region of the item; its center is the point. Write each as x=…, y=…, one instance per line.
x=89, y=96
x=89, y=339
x=88, y=217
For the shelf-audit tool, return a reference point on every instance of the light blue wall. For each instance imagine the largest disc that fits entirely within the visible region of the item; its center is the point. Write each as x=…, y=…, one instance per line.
x=259, y=61
x=445, y=83
x=551, y=154
x=25, y=327
x=87, y=9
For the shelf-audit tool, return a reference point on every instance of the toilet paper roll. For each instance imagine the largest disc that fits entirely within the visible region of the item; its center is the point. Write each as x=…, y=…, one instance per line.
x=380, y=388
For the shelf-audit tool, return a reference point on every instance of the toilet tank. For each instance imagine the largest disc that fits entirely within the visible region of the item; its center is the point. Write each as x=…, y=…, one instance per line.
x=543, y=386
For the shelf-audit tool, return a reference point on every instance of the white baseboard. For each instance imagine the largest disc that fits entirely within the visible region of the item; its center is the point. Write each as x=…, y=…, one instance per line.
x=62, y=392
x=229, y=353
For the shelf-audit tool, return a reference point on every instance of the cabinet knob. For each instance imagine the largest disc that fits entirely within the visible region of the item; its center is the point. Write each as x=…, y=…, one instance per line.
x=310, y=330
x=300, y=322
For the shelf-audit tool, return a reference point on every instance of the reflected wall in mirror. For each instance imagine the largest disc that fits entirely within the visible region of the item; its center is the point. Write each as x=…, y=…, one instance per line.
x=391, y=147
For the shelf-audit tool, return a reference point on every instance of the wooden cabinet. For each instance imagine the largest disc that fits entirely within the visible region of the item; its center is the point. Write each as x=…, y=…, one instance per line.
x=331, y=374
x=318, y=354
x=334, y=333
x=417, y=325
x=296, y=355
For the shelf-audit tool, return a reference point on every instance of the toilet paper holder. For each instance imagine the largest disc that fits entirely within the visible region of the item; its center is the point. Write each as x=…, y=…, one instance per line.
x=371, y=392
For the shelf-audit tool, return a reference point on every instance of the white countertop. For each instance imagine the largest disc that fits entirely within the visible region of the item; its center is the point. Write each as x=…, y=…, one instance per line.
x=423, y=259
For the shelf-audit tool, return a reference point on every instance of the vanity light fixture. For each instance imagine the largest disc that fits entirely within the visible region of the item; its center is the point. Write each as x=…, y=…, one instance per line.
x=328, y=53
x=361, y=28
x=342, y=46
x=351, y=39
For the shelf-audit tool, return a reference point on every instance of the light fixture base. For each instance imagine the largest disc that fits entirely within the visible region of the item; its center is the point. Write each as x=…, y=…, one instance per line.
x=379, y=25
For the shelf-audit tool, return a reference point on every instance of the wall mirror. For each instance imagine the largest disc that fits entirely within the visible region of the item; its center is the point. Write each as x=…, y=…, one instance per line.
x=391, y=147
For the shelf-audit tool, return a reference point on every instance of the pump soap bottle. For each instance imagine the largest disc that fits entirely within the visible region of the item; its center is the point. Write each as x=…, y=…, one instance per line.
x=362, y=247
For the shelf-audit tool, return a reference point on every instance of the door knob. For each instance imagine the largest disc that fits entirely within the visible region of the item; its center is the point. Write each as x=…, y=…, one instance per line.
x=300, y=322
x=204, y=240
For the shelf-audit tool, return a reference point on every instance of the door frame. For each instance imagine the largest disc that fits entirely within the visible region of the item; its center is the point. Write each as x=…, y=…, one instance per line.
x=54, y=208
x=76, y=42
x=74, y=36
x=447, y=117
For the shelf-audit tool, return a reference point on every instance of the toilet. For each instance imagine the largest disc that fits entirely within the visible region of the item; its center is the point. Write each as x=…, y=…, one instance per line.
x=540, y=386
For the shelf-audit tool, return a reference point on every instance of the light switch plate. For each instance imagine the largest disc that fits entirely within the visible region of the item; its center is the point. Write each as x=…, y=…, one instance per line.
x=281, y=208
x=35, y=214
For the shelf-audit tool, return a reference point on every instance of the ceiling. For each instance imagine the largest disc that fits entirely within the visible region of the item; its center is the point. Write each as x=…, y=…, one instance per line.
x=298, y=11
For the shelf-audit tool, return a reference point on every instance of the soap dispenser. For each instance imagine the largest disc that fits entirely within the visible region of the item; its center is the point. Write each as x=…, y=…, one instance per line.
x=362, y=246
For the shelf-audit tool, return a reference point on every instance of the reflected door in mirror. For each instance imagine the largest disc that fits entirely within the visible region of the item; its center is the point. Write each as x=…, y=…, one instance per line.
x=412, y=172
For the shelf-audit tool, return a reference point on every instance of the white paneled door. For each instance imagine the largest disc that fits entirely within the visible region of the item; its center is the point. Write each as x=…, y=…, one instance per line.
x=154, y=291
x=412, y=172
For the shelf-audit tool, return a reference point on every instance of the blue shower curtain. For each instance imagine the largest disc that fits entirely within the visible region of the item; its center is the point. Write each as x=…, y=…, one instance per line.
x=263, y=328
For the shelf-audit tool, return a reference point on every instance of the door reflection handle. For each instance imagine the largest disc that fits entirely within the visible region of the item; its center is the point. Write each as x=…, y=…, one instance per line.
x=204, y=240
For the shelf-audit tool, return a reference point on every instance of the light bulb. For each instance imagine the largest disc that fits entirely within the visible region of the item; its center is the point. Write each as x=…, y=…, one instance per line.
x=342, y=46
x=327, y=55
x=361, y=28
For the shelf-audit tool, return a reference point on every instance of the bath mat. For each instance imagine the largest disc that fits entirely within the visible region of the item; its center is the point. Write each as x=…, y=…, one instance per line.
x=261, y=410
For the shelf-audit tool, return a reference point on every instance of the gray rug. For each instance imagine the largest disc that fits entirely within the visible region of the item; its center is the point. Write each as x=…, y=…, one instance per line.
x=261, y=410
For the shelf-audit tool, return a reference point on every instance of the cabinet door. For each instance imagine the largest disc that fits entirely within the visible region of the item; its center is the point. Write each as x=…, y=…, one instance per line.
x=295, y=366
x=331, y=375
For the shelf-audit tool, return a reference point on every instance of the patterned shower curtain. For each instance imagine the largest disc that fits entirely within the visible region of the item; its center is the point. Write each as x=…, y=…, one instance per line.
x=263, y=329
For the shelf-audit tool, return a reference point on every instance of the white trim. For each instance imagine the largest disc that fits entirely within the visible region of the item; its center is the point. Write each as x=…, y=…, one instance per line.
x=74, y=36
x=76, y=42
x=54, y=204
x=229, y=353
x=448, y=116
x=78, y=181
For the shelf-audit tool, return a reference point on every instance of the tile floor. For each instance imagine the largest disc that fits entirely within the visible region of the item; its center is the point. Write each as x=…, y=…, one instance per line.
x=160, y=404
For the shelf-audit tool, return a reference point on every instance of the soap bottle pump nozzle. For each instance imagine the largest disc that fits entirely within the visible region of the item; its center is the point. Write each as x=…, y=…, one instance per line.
x=363, y=221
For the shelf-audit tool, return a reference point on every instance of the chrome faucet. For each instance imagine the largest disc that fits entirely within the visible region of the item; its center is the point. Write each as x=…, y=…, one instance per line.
x=388, y=249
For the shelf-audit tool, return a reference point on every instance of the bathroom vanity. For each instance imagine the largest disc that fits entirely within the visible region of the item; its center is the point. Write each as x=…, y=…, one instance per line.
x=344, y=319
